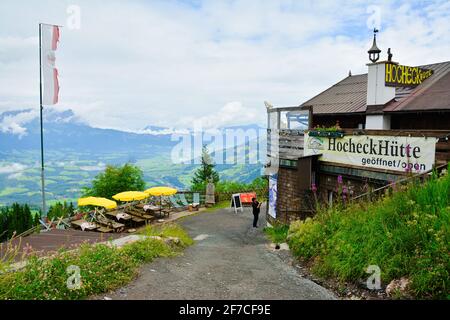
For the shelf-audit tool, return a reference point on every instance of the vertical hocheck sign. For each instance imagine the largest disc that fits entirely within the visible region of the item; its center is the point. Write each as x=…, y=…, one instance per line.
x=49, y=45
x=48, y=82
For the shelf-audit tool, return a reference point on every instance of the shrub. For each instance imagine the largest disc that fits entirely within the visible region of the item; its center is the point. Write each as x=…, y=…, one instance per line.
x=103, y=268
x=406, y=234
x=227, y=188
x=147, y=250
x=116, y=179
x=278, y=233
x=169, y=230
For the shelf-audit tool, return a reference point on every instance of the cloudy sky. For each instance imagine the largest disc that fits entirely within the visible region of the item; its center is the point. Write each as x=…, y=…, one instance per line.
x=130, y=64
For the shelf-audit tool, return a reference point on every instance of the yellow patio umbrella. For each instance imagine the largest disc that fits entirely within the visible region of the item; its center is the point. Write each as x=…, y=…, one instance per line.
x=97, y=202
x=130, y=196
x=161, y=191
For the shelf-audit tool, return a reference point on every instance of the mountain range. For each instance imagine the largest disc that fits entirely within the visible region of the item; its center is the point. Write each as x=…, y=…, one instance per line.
x=75, y=152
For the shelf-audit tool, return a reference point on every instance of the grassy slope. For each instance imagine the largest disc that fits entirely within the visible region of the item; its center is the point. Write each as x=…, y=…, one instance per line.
x=406, y=234
x=102, y=268
x=277, y=234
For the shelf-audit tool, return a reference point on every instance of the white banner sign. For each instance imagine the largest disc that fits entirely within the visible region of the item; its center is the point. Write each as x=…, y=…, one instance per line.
x=273, y=195
x=49, y=45
x=405, y=154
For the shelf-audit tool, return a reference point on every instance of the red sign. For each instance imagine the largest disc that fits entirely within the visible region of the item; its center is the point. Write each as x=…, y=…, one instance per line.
x=247, y=197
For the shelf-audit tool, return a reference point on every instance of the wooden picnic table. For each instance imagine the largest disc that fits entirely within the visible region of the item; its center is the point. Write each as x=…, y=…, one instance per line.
x=84, y=225
x=151, y=208
x=140, y=205
x=113, y=225
x=138, y=213
x=119, y=215
x=139, y=216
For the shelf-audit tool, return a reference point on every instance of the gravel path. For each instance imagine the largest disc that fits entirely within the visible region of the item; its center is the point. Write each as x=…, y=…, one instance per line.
x=230, y=260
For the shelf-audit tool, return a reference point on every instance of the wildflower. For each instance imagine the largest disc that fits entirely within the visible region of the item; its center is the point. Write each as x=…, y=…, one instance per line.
x=339, y=179
x=344, y=190
x=28, y=249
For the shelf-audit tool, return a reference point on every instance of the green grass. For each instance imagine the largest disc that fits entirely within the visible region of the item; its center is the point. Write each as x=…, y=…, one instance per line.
x=406, y=234
x=219, y=205
x=102, y=268
x=169, y=230
x=277, y=234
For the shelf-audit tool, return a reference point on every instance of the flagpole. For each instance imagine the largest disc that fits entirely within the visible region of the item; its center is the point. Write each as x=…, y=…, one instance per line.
x=44, y=209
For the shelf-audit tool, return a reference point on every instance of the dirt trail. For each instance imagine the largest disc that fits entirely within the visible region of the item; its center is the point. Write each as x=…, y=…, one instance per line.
x=230, y=260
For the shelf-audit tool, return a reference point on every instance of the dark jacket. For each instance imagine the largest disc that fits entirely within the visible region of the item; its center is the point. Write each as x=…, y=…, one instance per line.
x=255, y=206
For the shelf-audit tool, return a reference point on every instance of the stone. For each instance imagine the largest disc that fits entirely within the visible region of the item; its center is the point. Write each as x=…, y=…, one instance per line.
x=210, y=193
x=400, y=287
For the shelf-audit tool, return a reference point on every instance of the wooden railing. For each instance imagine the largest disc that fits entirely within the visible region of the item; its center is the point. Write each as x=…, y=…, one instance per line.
x=421, y=176
x=290, y=144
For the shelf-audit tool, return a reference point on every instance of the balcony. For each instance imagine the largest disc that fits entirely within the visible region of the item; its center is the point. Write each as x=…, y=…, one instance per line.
x=285, y=133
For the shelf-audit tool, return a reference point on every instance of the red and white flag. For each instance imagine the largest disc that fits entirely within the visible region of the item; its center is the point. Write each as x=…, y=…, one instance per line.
x=49, y=45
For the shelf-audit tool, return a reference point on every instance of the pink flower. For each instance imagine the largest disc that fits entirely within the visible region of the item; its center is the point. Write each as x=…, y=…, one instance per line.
x=314, y=188
x=344, y=190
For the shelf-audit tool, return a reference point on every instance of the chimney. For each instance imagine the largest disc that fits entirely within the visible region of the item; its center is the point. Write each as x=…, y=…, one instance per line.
x=378, y=94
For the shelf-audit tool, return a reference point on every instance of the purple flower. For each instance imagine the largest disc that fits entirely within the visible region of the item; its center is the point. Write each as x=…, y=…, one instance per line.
x=339, y=180
x=314, y=188
x=344, y=190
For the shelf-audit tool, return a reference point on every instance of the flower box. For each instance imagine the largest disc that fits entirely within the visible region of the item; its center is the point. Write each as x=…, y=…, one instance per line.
x=324, y=133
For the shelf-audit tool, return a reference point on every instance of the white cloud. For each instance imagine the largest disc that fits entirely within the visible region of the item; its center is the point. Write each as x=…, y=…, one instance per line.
x=233, y=113
x=138, y=63
x=99, y=167
x=12, y=168
x=14, y=124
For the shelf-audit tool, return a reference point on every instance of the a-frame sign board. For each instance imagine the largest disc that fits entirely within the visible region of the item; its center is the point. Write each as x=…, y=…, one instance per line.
x=236, y=202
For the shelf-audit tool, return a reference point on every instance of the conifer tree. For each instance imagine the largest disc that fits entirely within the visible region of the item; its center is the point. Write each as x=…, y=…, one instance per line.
x=205, y=173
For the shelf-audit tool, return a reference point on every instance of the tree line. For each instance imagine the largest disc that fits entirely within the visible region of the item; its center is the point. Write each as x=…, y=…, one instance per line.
x=16, y=219
x=115, y=179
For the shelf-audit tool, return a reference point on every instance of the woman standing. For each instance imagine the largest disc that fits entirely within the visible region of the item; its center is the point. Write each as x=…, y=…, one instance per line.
x=256, y=209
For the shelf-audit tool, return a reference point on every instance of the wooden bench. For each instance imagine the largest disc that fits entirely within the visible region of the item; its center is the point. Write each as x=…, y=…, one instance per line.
x=110, y=224
x=104, y=230
x=137, y=213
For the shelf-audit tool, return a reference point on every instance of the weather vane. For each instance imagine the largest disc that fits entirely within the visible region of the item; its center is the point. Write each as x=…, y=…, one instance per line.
x=374, y=52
